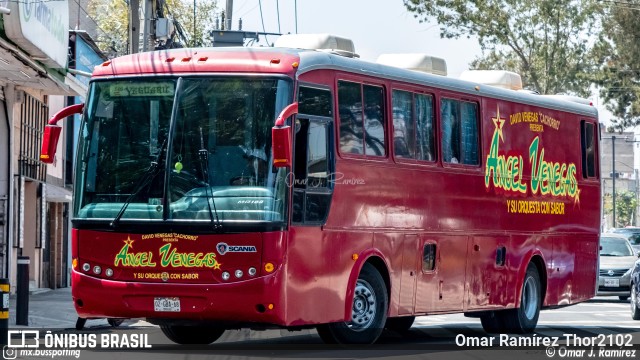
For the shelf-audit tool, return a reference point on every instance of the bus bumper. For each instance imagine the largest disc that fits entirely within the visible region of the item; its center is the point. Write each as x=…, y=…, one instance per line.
x=256, y=300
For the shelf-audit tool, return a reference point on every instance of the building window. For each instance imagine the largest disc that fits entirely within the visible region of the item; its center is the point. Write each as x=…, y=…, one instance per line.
x=33, y=119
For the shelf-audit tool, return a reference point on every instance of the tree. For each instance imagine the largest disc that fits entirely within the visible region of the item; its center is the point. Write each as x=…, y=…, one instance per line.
x=620, y=57
x=546, y=41
x=112, y=19
x=626, y=207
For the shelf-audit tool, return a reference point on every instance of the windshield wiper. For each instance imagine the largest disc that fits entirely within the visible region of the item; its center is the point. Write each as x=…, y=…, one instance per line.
x=203, y=157
x=145, y=180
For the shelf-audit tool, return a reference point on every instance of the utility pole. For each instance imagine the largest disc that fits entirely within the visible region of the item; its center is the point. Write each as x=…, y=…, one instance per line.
x=134, y=26
x=229, y=13
x=613, y=176
x=148, y=36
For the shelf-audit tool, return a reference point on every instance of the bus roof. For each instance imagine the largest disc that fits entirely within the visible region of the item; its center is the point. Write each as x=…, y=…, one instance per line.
x=283, y=61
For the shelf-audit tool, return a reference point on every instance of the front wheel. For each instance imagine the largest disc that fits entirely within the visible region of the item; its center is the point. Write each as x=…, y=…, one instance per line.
x=400, y=324
x=524, y=319
x=368, y=314
x=635, y=311
x=192, y=335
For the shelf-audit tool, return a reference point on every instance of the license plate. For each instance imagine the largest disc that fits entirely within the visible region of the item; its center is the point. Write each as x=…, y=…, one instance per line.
x=612, y=282
x=166, y=304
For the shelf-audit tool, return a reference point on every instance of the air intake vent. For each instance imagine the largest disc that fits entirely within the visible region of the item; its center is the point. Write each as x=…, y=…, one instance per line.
x=321, y=42
x=416, y=62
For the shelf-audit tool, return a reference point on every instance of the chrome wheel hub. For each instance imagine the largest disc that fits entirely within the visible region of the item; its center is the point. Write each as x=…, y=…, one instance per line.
x=363, y=312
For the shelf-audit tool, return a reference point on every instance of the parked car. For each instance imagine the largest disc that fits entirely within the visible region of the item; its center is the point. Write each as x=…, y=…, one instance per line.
x=632, y=233
x=617, y=259
x=635, y=289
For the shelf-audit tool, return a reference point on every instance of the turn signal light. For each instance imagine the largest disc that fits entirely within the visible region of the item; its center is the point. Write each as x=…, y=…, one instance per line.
x=269, y=267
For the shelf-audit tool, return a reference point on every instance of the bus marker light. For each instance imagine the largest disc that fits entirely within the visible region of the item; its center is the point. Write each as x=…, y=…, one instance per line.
x=106, y=63
x=354, y=257
x=268, y=267
x=170, y=59
x=295, y=65
x=186, y=59
x=270, y=306
x=74, y=263
x=86, y=267
x=204, y=58
x=275, y=61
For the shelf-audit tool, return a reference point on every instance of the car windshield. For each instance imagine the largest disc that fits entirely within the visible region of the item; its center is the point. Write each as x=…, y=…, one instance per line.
x=189, y=149
x=633, y=235
x=615, y=247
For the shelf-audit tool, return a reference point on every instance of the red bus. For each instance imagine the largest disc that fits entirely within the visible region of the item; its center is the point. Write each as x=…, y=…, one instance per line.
x=226, y=188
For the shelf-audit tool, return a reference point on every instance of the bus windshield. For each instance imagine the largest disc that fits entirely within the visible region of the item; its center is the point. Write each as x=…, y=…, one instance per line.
x=194, y=149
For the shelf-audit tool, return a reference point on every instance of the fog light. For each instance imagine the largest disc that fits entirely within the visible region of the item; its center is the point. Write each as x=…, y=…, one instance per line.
x=238, y=274
x=252, y=271
x=226, y=276
x=97, y=270
x=86, y=267
x=108, y=272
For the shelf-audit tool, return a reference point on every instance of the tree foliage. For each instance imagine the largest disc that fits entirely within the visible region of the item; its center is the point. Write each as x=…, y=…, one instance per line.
x=112, y=19
x=546, y=41
x=620, y=55
x=626, y=207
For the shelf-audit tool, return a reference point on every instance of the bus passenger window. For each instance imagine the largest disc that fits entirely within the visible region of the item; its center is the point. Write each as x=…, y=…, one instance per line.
x=350, y=108
x=588, y=149
x=469, y=137
x=312, y=101
x=460, y=133
x=362, y=127
x=403, y=130
x=450, y=131
x=425, y=148
x=374, y=120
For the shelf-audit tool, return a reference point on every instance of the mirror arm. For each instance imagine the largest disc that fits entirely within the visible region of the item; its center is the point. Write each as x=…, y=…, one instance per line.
x=291, y=109
x=68, y=111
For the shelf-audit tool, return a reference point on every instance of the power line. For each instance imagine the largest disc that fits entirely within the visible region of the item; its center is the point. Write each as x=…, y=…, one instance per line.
x=278, y=11
x=262, y=19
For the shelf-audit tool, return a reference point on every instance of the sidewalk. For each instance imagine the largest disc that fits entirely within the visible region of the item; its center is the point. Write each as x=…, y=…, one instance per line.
x=51, y=309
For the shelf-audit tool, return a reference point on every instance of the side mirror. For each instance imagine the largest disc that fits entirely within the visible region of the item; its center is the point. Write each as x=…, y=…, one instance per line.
x=281, y=138
x=52, y=132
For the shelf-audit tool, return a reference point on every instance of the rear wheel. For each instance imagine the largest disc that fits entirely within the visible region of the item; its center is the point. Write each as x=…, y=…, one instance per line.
x=115, y=322
x=492, y=322
x=524, y=319
x=635, y=311
x=368, y=314
x=400, y=324
x=192, y=335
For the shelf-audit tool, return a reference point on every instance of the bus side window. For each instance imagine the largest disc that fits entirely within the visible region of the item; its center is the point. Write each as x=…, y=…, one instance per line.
x=362, y=119
x=588, y=149
x=460, y=132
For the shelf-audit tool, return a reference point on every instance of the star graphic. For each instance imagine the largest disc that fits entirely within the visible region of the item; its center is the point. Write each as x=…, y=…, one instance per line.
x=498, y=122
x=216, y=266
x=129, y=242
x=576, y=199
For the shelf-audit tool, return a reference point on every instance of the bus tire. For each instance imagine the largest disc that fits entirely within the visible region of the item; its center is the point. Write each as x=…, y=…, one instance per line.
x=368, y=314
x=192, y=335
x=400, y=324
x=115, y=322
x=523, y=320
x=492, y=322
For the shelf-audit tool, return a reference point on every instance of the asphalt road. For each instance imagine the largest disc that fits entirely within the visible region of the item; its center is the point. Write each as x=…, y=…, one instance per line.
x=600, y=328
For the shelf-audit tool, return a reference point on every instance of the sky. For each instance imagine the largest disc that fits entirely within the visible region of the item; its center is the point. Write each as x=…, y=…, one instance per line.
x=375, y=26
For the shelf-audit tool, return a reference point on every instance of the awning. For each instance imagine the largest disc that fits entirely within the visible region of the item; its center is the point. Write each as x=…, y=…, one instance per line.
x=57, y=194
